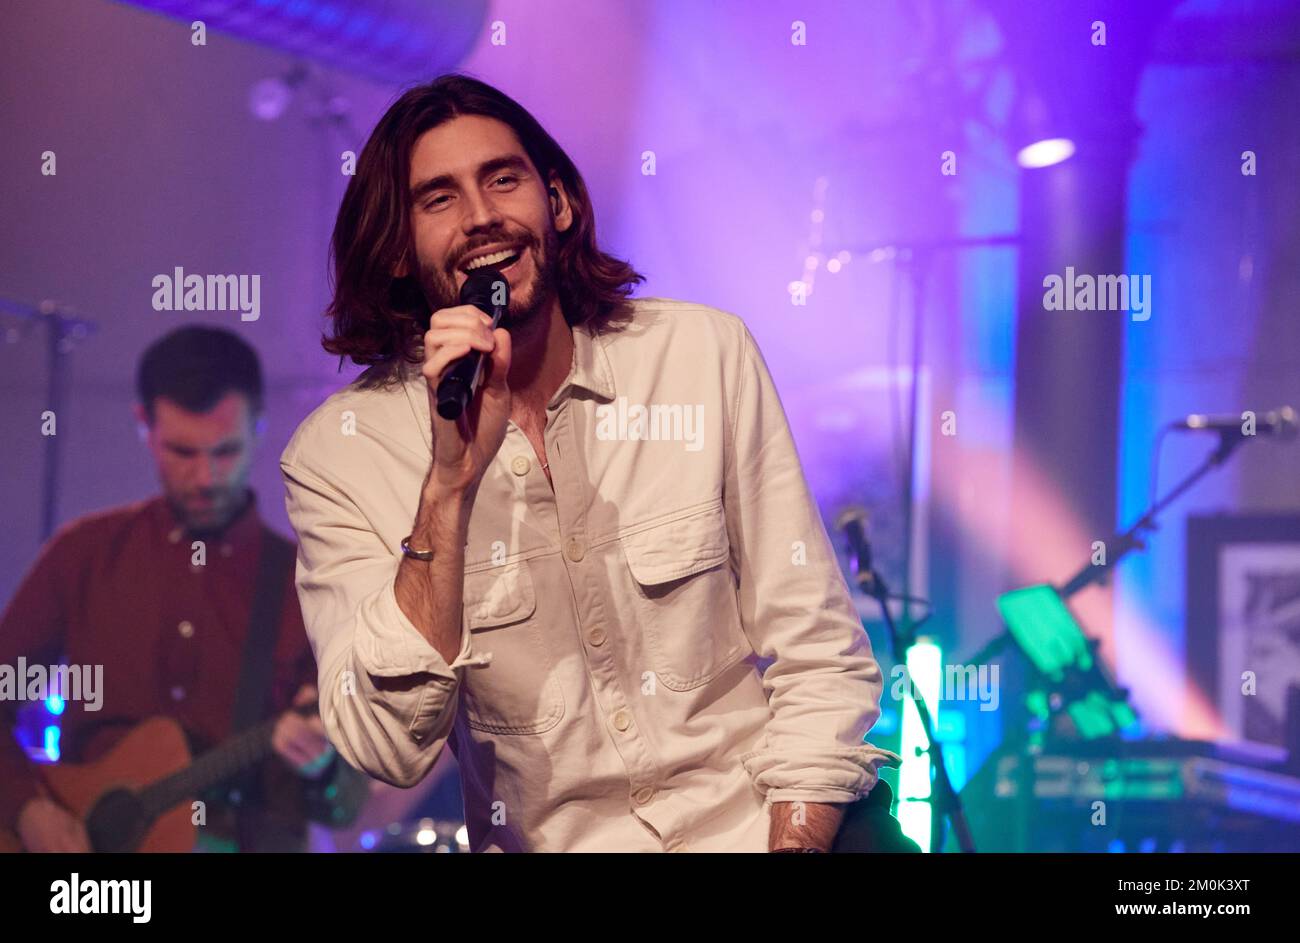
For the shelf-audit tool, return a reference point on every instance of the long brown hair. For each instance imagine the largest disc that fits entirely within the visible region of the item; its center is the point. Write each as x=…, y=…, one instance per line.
x=376, y=317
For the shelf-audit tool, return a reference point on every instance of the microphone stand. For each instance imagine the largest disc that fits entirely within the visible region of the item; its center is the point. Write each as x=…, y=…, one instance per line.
x=914, y=260
x=1120, y=544
x=62, y=330
x=944, y=801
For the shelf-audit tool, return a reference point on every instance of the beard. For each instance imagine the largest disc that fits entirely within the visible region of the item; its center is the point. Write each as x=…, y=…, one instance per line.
x=212, y=519
x=526, y=300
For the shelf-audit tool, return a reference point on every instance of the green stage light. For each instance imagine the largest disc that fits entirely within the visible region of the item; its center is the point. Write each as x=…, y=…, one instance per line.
x=1071, y=679
x=925, y=668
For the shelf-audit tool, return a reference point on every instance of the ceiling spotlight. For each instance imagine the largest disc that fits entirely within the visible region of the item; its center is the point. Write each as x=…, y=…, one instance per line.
x=269, y=98
x=1045, y=153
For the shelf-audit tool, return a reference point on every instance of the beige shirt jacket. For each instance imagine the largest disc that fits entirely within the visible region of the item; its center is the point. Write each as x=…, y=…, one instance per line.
x=652, y=653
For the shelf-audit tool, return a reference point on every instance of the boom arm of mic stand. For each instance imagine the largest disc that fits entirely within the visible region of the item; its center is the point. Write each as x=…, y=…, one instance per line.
x=944, y=798
x=1119, y=545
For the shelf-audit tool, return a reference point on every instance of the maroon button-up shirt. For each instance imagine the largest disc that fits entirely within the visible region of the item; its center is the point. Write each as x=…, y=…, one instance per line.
x=120, y=588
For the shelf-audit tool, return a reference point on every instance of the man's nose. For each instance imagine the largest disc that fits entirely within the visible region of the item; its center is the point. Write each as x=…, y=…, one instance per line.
x=480, y=212
x=204, y=471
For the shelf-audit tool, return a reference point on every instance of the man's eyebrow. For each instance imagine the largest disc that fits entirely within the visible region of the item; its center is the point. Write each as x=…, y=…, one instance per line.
x=496, y=164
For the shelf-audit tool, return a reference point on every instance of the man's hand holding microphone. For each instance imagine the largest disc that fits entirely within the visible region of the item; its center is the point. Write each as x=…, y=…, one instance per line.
x=430, y=578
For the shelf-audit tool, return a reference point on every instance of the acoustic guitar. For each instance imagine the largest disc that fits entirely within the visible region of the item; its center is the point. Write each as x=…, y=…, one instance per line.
x=139, y=796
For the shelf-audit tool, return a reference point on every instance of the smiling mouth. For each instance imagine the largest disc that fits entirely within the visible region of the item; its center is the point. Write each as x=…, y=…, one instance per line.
x=497, y=260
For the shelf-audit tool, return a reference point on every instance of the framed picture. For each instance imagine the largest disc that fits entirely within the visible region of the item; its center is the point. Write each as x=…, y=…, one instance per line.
x=1243, y=618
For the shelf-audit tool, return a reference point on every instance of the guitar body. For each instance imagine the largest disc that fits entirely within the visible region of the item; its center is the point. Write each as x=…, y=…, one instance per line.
x=104, y=793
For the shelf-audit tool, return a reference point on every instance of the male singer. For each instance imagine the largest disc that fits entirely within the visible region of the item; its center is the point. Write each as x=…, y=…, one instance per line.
x=606, y=585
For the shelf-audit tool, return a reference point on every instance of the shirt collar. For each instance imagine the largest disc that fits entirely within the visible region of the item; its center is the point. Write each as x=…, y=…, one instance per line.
x=590, y=370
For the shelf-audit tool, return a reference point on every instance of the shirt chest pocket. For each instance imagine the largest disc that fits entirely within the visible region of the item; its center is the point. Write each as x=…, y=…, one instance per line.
x=517, y=693
x=685, y=597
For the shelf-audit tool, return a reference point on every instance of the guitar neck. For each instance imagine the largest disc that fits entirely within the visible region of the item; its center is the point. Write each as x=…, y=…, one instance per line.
x=216, y=766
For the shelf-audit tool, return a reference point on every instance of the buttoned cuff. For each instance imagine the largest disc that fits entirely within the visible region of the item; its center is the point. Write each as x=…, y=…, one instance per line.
x=837, y=774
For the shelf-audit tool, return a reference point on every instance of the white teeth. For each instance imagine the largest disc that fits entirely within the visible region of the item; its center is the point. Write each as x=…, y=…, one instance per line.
x=492, y=259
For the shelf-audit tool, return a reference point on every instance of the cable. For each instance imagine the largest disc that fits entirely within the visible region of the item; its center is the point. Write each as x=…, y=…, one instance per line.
x=1154, y=486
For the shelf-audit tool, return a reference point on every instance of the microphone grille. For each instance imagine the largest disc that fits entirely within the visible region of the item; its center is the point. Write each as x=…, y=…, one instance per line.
x=481, y=287
x=853, y=513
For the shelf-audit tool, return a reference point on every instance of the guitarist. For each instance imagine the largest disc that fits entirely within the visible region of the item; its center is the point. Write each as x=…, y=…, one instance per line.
x=160, y=593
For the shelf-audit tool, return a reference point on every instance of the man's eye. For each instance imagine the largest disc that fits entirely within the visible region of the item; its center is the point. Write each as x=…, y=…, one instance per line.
x=436, y=201
x=509, y=177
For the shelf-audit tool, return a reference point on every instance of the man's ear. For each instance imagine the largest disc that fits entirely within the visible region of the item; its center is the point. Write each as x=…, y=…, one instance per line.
x=561, y=211
x=141, y=421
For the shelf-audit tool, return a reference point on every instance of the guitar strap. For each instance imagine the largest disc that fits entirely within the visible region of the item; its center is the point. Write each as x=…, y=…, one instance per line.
x=251, y=695
x=255, y=673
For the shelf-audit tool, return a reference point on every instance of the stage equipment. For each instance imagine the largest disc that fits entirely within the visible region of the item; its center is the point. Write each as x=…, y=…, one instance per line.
x=944, y=801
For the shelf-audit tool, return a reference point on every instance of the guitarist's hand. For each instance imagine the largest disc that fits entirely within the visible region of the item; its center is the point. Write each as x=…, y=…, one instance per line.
x=44, y=825
x=301, y=740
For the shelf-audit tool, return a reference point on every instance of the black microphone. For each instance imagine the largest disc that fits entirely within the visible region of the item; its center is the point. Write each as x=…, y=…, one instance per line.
x=1278, y=422
x=853, y=521
x=483, y=289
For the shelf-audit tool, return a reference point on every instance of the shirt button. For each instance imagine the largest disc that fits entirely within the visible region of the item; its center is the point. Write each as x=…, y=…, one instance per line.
x=520, y=465
x=186, y=629
x=622, y=719
x=575, y=549
x=227, y=550
x=644, y=795
x=178, y=693
x=596, y=636
x=175, y=535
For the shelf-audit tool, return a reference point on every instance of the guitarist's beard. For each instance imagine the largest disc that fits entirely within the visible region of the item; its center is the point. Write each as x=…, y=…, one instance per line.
x=208, y=530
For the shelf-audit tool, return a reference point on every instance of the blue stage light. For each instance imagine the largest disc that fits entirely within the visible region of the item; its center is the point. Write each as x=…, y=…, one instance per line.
x=52, y=743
